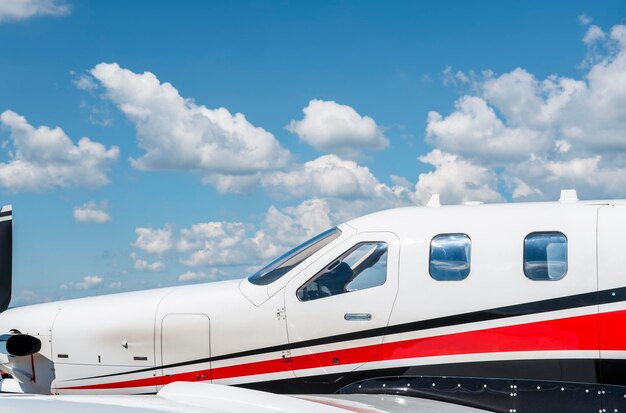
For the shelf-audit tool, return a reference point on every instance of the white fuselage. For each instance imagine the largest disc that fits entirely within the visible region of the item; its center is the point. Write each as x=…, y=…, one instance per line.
x=236, y=332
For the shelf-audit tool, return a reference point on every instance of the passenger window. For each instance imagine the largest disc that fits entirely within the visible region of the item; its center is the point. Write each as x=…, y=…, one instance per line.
x=363, y=266
x=450, y=257
x=545, y=256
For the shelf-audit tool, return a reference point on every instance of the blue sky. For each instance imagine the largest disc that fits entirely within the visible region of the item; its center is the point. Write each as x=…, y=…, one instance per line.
x=345, y=108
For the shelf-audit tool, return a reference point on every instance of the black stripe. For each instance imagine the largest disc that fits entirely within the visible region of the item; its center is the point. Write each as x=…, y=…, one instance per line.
x=6, y=214
x=535, y=307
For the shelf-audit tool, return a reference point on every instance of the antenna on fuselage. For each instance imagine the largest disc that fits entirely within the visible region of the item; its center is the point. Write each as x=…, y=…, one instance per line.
x=434, y=201
x=568, y=196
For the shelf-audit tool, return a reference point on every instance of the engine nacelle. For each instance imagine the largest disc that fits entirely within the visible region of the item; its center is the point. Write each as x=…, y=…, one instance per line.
x=19, y=345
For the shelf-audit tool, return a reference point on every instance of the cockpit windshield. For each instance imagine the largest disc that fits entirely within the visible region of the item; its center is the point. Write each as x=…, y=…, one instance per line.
x=283, y=264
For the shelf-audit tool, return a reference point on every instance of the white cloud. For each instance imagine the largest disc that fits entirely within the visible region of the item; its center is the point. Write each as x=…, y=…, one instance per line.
x=115, y=285
x=522, y=190
x=197, y=276
x=528, y=102
x=475, y=131
x=92, y=212
x=144, y=265
x=25, y=297
x=593, y=34
x=584, y=19
x=154, y=241
x=216, y=243
x=89, y=282
x=538, y=136
x=24, y=9
x=283, y=230
x=327, y=176
x=347, y=188
x=618, y=34
x=236, y=244
x=234, y=184
x=330, y=127
x=591, y=176
x=456, y=180
x=178, y=134
x=83, y=82
x=45, y=158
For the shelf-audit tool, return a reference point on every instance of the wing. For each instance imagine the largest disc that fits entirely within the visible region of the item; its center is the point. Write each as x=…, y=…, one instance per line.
x=215, y=398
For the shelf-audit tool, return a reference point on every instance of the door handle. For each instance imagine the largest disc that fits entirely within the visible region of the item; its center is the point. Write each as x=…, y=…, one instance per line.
x=357, y=316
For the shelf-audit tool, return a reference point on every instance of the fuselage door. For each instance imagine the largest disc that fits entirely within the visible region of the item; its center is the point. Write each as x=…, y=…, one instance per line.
x=338, y=308
x=185, y=348
x=612, y=286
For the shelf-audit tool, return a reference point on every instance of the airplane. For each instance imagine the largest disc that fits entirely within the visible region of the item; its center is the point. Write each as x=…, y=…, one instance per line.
x=514, y=307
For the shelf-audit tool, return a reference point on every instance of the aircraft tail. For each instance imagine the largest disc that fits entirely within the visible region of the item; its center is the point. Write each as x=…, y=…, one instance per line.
x=6, y=256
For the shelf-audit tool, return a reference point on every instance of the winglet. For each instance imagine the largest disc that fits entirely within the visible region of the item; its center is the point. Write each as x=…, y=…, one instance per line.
x=6, y=256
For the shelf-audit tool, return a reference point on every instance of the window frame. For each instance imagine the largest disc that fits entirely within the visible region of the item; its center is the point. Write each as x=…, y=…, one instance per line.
x=430, y=254
x=554, y=232
x=341, y=257
x=325, y=238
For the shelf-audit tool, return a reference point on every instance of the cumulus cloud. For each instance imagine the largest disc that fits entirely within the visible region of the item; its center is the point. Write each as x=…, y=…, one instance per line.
x=154, y=241
x=544, y=134
x=511, y=132
x=326, y=176
x=334, y=128
x=456, y=180
x=24, y=9
x=178, y=134
x=284, y=229
x=234, y=184
x=83, y=82
x=594, y=34
x=584, y=19
x=44, y=158
x=89, y=282
x=144, y=265
x=198, y=276
x=209, y=247
x=115, y=285
x=475, y=131
x=92, y=212
x=26, y=297
x=216, y=243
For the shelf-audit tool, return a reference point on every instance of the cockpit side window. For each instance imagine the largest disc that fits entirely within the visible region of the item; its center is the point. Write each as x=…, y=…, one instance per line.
x=363, y=266
x=283, y=264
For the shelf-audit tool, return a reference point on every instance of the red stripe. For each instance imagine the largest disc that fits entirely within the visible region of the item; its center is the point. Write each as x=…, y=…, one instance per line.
x=147, y=382
x=566, y=334
x=613, y=336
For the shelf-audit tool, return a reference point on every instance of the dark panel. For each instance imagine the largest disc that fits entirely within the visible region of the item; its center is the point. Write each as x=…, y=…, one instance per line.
x=578, y=370
x=613, y=372
x=6, y=261
x=496, y=395
x=572, y=370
